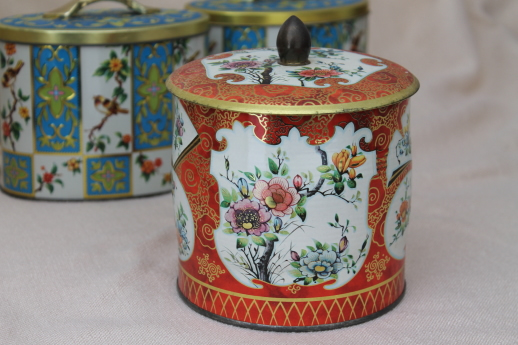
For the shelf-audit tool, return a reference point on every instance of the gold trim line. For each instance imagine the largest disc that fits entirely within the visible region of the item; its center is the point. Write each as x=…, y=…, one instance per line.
x=279, y=299
x=289, y=110
x=313, y=16
x=104, y=36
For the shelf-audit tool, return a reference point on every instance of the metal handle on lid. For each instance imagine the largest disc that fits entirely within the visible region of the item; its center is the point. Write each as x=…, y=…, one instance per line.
x=72, y=8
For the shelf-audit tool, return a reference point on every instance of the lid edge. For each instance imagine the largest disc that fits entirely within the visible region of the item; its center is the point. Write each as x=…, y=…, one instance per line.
x=277, y=18
x=110, y=36
x=296, y=110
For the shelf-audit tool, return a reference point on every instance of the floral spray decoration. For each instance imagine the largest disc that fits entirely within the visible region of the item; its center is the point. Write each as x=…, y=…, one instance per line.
x=265, y=206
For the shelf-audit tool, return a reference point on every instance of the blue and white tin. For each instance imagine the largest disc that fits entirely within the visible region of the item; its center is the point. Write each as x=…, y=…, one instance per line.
x=241, y=24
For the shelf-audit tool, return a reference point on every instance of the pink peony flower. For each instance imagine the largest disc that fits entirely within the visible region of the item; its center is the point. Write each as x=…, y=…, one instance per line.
x=248, y=216
x=318, y=73
x=277, y=195
x=241, y=64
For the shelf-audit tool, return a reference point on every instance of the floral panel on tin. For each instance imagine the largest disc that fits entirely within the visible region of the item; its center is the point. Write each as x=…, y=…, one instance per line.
x=183, y=132
x=398, y=217
x=184, y=222
x=15, y=97
x=293, y=212
x=400, y=153
x=108, y=102
x=262, y=67
x=57, y=107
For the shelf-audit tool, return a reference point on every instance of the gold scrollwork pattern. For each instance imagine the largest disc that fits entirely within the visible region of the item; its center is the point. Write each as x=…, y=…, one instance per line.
x=376, y=267
x=294, y=288
x=210, y=269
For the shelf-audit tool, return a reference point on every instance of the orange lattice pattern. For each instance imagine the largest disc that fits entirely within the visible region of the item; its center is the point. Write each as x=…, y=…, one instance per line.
x=291, y=311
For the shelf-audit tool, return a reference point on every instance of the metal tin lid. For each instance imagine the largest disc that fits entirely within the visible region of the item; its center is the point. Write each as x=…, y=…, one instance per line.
x=293, y=79
x=243, y=12
x=67, y=25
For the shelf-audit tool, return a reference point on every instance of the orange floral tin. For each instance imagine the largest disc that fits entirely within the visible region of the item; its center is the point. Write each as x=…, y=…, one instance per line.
x=292, y=185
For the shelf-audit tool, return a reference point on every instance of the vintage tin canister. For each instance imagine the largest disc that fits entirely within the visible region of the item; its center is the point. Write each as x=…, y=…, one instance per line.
x=84, y=110
x=292, y=186
x=246, y=24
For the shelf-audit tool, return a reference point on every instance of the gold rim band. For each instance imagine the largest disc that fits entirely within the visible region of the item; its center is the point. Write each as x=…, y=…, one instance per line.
x=323, y=15
x=104, y=36
x=283, y=110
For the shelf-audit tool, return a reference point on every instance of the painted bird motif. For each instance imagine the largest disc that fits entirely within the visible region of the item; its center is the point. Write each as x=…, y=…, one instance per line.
x=9, y=76
x=108, y=107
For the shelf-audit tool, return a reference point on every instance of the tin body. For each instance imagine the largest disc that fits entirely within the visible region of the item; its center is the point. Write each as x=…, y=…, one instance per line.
x=292, y=187
x=236, y=25
x=84, y=111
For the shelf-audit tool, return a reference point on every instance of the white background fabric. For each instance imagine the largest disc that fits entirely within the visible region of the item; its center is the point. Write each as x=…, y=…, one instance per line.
x=105, y=272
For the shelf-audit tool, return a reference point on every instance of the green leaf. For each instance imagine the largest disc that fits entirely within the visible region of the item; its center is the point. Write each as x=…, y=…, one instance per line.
x=113, y=55
x=259, y=241
x=234, y=195
x=324, y=168
x=295, y=264
x=271, y=237
x=58, y=181
x=336, y=218
x=101, y=146
x=318, y=245
x=16, y=134
x=351, y=184
x=337, y=177
x=54, y=169
x=360, y=175
x=273, y=166
x=50, y=187
x=100, y=71
x=228, y=231
x=301, y=212
x=89, y=146
x=225, y=204
x=302, y=200
x=284, y=232
x=339, y=188
x=308, y=280
x=303, y=253
x=242, y=242
x=250, y=176
x=325, y=246
x=117, y=91
x=311, y=248
x=257, y=172
x=284, y=170
x=17, y=126
x=226, y=195
x=327, y=176
x=364, y=244
x=3, y=61
x=39, y=179
x=267, y=174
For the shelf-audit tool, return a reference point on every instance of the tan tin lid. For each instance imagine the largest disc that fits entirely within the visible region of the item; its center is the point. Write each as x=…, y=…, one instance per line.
x=283, y=82
x=70, y=25
x=264, y=12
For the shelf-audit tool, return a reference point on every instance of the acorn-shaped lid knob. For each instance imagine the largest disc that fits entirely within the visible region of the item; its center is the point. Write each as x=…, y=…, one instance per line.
x=293, y=43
